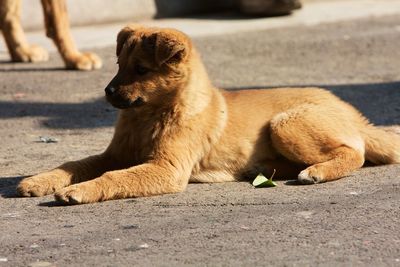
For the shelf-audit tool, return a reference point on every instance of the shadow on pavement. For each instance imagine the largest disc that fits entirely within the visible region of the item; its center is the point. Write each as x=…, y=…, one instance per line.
x=8, y=185
x=379, y=102
x=50, y=204
x=21, y=67
x=92, y=114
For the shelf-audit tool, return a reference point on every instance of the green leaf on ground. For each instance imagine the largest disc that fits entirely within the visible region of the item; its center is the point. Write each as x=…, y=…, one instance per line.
x=262, y=181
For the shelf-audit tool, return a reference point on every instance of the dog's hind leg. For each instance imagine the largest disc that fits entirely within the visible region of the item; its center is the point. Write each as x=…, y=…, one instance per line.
x=343, y=161
x=10, y=24
x=57, y=28
x=321, y=138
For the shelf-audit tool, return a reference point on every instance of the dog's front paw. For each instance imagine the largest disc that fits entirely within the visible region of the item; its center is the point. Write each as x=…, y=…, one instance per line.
x=70, y=195
x=311, y=175
x=83, y=61
x=77, y=194
x=37, y=186
x=32, y=53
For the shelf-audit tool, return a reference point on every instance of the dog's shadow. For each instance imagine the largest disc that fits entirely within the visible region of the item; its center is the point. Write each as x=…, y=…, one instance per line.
x=8, y=186
x=51, y=204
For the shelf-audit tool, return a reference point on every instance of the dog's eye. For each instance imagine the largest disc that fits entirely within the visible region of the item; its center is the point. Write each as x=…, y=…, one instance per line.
x=141, y=70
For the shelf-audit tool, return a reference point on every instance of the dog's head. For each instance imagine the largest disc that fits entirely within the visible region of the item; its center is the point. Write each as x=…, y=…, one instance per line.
x=152, y=66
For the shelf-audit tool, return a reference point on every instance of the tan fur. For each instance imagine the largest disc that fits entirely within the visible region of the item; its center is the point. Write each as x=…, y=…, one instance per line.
x=57, y=28
x=175, y=127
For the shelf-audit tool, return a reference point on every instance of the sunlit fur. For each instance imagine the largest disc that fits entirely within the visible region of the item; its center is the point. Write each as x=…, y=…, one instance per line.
x=186, y=130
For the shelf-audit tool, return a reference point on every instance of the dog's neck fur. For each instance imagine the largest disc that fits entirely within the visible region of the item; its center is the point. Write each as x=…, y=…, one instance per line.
x=196, y=95
x=152, y=124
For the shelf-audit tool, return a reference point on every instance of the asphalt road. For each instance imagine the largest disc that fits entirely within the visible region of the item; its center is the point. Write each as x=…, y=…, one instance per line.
x=351, y=222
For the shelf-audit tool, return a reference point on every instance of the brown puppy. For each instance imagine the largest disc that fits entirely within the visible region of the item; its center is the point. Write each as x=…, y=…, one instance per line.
x=57, y=28
x=175, y=127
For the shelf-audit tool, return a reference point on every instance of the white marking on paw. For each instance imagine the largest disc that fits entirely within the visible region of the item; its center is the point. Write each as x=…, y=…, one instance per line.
x=304, y=174
x=304, y=177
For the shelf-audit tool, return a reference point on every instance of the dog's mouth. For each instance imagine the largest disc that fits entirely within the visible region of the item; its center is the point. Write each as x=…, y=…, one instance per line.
x=120, y=103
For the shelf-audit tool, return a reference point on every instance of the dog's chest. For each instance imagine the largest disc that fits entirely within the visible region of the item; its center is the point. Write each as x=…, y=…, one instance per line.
x=133, y=146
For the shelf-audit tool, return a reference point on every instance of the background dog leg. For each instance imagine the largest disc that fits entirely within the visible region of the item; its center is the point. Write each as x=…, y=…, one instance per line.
x=69, y=173
x=10, y=24
x=57, y=28
x=143, y=180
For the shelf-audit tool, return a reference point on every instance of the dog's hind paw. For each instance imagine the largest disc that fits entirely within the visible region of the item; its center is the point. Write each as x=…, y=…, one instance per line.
x=308, y=176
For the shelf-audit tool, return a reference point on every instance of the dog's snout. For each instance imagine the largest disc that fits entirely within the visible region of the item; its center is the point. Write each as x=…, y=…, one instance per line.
x=110, y=90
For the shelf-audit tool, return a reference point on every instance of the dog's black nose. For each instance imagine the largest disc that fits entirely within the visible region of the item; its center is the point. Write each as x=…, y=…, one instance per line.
x=110, y=90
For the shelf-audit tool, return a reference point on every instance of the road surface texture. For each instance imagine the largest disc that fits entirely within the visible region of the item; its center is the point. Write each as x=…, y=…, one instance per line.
x=351, y=222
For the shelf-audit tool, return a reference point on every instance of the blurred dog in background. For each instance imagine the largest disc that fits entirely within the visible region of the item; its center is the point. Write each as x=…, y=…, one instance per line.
x=57, y=28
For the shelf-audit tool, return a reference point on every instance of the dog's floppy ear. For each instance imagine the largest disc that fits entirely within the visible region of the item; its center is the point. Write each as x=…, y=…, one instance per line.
x=170, y=47
x=123, y=36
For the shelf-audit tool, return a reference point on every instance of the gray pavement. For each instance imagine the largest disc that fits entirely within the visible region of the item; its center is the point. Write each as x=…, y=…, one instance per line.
x=350, y=222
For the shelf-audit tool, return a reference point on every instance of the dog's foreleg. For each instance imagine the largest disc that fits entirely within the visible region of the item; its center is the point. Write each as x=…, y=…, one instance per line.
x=57, y=28
x=69, y=173
x=143, y=180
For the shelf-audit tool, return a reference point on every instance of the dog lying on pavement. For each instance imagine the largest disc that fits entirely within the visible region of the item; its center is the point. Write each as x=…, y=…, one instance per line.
x=175, y=127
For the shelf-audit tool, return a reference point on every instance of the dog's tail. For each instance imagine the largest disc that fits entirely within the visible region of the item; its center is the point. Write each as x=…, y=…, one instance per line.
x=382, y=144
